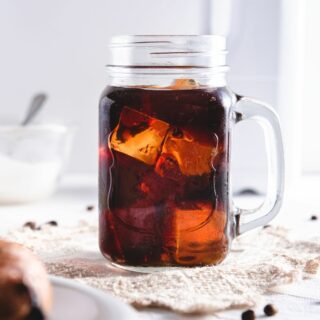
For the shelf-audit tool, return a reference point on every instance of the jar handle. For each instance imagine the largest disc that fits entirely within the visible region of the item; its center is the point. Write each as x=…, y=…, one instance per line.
x=251, y=109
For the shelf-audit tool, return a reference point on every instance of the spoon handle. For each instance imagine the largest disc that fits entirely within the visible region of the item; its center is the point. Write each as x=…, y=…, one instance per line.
x=35, y=105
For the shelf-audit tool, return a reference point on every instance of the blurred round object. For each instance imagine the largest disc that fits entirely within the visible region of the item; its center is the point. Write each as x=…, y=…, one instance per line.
x=23, y=279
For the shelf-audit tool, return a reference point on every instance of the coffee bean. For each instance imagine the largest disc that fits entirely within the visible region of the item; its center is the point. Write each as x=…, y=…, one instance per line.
x=90, y=208
x=30, y=224
x=270, y=310
x=266, y=226
x=52, y=223
x=314, y=217
x=248, y=315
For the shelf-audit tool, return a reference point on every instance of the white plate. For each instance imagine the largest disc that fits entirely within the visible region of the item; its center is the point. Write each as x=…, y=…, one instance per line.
x=77, y=301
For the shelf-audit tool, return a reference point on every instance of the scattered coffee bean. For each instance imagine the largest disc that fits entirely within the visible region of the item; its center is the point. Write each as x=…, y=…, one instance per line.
x=270, y=310
x=30, y=224
x=266, y=226
x=248, y=315
x=52, y=223
x=90, y=208
x=314, y=217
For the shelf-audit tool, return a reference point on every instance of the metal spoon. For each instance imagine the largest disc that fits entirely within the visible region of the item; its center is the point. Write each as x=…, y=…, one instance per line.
x=35, y=105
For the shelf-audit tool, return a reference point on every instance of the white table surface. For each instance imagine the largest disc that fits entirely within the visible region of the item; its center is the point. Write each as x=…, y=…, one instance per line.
x=69, y=204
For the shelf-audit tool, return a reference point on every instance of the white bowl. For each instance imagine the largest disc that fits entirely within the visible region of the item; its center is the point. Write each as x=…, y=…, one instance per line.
x=31, y=161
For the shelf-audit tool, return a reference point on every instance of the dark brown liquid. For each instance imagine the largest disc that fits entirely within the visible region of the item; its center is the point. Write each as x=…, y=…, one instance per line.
x=164, y=176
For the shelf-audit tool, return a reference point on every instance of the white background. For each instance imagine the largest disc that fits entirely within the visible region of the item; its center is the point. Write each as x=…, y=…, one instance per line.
x=60, y=47
x=311, y=103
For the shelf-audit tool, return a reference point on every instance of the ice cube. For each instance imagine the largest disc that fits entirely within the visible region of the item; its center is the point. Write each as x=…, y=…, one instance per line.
x=184, y=84
x=178, y=84
x=197, y=233
x=168, y=167
x=149, y=187
x=193, y=152
x=134, y=232
x=139, y=136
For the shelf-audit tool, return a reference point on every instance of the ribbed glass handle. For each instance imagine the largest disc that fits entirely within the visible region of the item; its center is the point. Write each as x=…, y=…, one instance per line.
x=251, y=109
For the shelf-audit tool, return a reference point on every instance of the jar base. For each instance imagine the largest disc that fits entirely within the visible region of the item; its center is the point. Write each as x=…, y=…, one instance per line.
x=141, y=269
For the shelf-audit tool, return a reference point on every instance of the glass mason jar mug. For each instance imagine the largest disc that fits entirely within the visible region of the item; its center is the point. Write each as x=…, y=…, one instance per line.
x=166, y=120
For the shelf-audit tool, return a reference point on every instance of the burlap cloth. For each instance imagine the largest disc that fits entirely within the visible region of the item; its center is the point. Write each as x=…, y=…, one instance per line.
x=255, y=264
